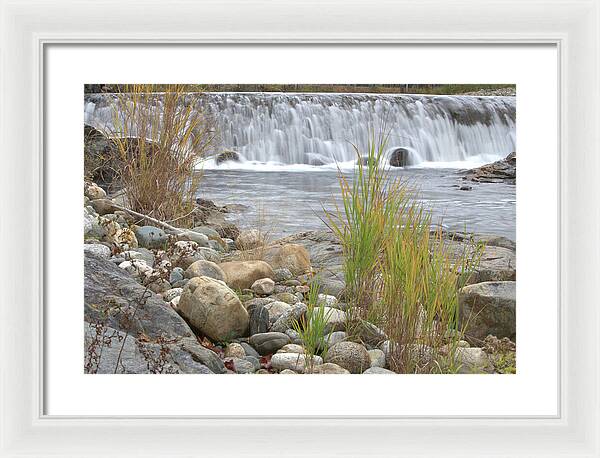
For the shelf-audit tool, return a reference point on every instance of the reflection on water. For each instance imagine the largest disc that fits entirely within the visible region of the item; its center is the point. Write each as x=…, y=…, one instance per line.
x=289, y=202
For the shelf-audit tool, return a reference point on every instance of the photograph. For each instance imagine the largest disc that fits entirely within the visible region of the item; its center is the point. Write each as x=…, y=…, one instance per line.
x=351, y=228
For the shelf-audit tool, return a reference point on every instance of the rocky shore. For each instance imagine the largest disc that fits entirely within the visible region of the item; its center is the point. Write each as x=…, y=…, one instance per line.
x=503, y=171
x=217, y=300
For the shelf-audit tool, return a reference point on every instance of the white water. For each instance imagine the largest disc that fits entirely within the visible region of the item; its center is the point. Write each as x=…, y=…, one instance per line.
x=295, y=132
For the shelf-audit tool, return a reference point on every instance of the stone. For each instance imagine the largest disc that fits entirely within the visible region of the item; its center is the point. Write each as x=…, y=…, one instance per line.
x=204, y=355
x=258, y=301
x=276, y=309
x=377, y=358
x=259, y=319
x=472, y=360
x=204, y=268
x=282, y=275
x=151, y=237
x=249, y=351
x=268, y=342
x=287, y=319
x=328, y=368
x=114, y=298
x=136, y=267
x=216, y=246
x=291, y=348
x=242, y=274
x=288, y=372
x=177, y=274
x=144, y=254
x=208, y=231
x=335, y=319
x=91, y=225
x=187, y=252
x=293, y=257
x=286, y=297
x=334, y=337
x=93, y=192
x=98, y=249
x=350, y=355
x=400, y=157
x=240, y=365
x=292, y=361
x=226, y=156
x=489, y=308
x=214, y=309
x=327, y=300
x=121, y=353
x=171, y=294
x=378, y=370
x=234, y=350
x=368, y=333
x=192, y=236
x=103, y=206
x=255, y=361
x=249, y=239
x=263, y=286
x=502, y=171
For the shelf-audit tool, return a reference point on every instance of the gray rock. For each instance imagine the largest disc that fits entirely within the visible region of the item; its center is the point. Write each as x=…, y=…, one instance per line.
x=288, y=298
x=286, y=320
x=146, y=255
x=334, y=337
x=203, y=268
x=115, y=298
x=349, y=355
x=249, y=350
x=171, y=294
x=151, y=237
x=377, y=358
x=259, y=319
x=328, y=368
x=177, y=274
x=327, y=300
x=242, y=366
x=282, y=275
x=98, y=249
x=293, y=361
x=472, y=360
x=91, y=225
x=269, y=342
x=489, y=308
x=378, y=370
x=208, y=231
x=263, y=286
x=276, y=309
x=216, y=246
x=204, y=356
x=200, y=239
x=254, y=361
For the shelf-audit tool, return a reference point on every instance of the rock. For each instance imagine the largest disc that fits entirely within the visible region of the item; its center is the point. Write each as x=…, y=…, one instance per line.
x=276, y=309
x=249, y=350
x=255, y=361
x=335, y=319
x=93, y=192
x=377, y=358
x=249, y=239
x=204, y=355
x=204, y=268
x=489, y=308
x=259, y=319
x=472, y=360
x=113, y=297
x=98, y=249
x=234, y=350
x=151, y=237
x=268, y=342
x=328, y=368
x=378, y=370
x=137, y=268
x=465, y=188
x=123, y=354
x=293, y=257
x=143, y=253
x=240, y=366
x=258, y=301
x=91, y=225
x=124, y=238
x=242, y=274
x=227, y=155
x=349, y=355
x=177, y=274
x=334, y=337
x=400, y=157
x=292, y=361
x=208, y=231
x=171, y=294
x=327, y=300
x=286, y=319
x=200, y=239
x=263, y=286
x=291, y=348
x=502, y=171
x=288, y=298
x=368, y=333
x=282, y=275
x=103, y=206
x=186, y=253
x=288, y=372
x=216, y=246
x=175, y=302
x=214, y=309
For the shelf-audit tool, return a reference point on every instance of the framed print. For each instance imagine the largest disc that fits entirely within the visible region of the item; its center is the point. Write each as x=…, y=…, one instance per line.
x=328, y=200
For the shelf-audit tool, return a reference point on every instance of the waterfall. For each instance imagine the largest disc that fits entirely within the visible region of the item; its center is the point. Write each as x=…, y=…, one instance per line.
x=321, y=129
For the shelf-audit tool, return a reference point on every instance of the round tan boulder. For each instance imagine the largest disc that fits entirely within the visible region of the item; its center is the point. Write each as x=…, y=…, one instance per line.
x=349, y=355
x=290, y=256
x=242, y=274
x=263, y=286
x=214, y=309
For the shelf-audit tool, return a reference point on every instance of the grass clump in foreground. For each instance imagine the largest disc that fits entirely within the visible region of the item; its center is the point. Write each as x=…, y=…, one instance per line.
x=400, y=274
x=312, y=326
x=159, y=140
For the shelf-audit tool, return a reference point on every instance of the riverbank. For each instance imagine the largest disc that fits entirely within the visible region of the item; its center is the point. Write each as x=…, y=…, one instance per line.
x=217, y=299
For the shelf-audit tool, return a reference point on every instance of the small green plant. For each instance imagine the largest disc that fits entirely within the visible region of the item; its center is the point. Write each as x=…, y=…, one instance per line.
x=312, y=326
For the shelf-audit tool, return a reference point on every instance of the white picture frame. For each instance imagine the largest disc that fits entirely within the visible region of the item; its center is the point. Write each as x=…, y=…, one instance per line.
x=27, y=27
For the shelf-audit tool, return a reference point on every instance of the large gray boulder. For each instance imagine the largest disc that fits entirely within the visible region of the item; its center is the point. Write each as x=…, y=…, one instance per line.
x=489, y=308
x=214, y=309
x=113, y=297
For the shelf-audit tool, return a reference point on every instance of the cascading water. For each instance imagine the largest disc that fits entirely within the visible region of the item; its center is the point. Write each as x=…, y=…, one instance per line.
x=320, y=129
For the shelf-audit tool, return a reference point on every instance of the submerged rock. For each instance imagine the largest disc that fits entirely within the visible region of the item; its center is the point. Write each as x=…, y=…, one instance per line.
x=503, y=171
